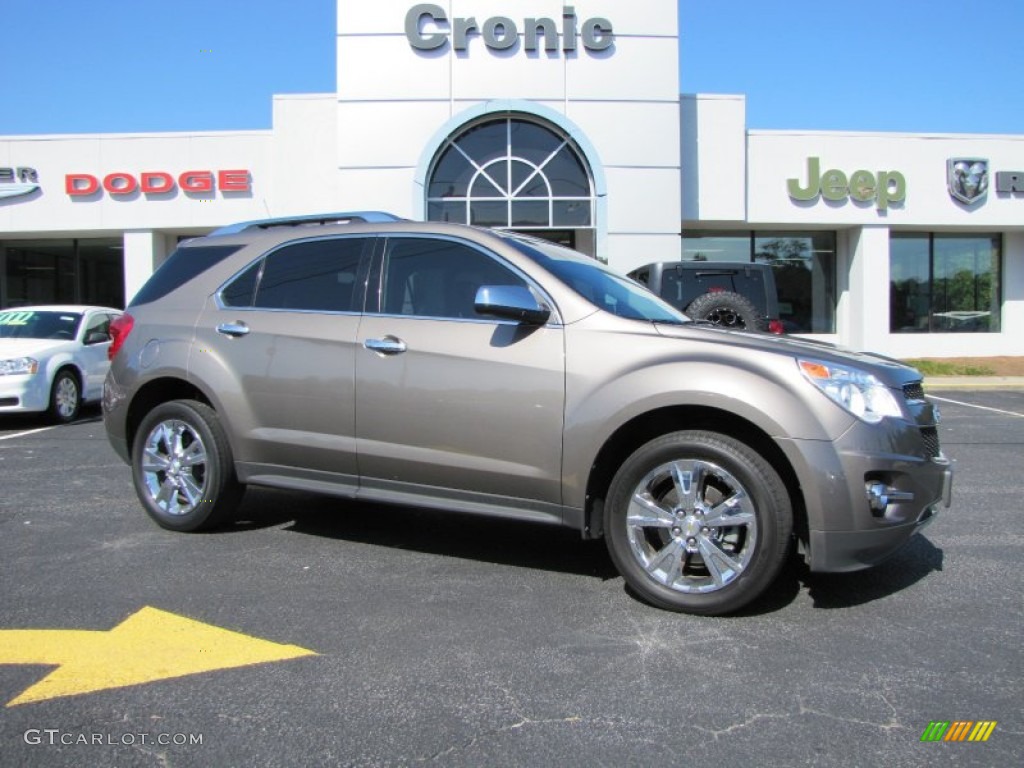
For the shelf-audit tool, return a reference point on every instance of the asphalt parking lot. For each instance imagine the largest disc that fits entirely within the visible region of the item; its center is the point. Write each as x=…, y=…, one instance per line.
x=404, y=637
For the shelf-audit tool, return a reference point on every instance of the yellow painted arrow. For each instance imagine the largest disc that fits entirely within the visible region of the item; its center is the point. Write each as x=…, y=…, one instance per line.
x=149, y=645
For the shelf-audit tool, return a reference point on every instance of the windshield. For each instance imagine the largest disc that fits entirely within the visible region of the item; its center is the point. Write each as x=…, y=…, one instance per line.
x=29, y=324
x=597, y=283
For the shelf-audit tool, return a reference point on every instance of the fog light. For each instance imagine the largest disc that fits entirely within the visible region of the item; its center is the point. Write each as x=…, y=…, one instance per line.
x=880, y=496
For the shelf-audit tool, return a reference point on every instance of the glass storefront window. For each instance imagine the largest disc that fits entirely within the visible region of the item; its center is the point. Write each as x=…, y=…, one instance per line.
x=804, y=266
x=805, y=276
x=63, y=272
x=944, y=283
x=709, y=246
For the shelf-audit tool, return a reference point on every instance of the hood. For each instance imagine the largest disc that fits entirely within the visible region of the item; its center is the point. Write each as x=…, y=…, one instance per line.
x=31, y=347
x=888, y=370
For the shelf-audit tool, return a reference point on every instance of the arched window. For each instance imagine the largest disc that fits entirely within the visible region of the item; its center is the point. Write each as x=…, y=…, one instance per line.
x=514, y=173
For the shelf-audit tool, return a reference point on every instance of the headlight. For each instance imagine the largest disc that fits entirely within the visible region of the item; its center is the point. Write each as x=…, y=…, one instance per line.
x=18, y=365
x=859, y=392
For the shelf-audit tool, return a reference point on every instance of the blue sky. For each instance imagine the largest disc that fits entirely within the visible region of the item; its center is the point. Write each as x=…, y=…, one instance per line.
x=81, y=66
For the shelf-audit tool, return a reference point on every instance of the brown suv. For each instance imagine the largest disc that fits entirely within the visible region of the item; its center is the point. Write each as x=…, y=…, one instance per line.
x=490, y=373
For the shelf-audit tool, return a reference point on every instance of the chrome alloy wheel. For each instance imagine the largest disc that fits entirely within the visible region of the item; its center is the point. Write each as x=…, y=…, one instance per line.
x=65, y=398
x=174, y=467
x=691, y=526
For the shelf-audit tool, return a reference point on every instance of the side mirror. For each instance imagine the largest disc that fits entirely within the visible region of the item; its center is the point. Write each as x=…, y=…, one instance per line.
x=511, y=302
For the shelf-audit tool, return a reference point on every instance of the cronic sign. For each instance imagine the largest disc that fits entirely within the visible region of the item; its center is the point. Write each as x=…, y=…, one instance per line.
x=428, y=28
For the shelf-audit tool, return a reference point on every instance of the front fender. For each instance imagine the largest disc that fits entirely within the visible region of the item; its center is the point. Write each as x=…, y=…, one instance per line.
x=606, y=391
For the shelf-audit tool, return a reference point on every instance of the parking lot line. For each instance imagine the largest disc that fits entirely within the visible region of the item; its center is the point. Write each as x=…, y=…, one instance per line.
x=29, y=432
x=979, y=407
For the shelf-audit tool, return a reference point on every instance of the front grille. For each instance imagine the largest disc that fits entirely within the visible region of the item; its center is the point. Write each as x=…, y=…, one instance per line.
x=931, y=441
x=913, y=391
x=8, y=401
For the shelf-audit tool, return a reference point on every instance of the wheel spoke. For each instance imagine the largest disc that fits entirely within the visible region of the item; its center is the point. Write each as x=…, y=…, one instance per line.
x=153, y=461
x=688, y=484
x=722, y=567
x=194, y=455
x=178, y=433
x=161, y=434
x=193, y=492
x=645, y=512
x=168, y=493
x=732, y=511
x=673, y=550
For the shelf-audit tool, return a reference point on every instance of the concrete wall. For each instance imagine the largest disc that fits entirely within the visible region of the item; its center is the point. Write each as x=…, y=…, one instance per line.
x=392, y=99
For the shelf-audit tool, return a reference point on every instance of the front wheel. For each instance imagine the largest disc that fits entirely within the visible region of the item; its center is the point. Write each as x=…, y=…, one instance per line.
x=182, y=467
x=698, y=522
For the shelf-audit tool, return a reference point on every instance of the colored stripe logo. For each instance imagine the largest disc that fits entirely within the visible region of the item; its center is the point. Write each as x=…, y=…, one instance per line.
x=959, y=730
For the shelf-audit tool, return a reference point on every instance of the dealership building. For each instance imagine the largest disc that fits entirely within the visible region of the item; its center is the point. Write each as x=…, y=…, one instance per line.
x=565, y=121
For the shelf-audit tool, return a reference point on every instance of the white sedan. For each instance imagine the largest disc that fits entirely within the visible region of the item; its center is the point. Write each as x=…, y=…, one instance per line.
x=53, y=358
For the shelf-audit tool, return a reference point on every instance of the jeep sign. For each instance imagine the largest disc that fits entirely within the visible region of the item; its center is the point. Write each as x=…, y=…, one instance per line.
x=882, y=188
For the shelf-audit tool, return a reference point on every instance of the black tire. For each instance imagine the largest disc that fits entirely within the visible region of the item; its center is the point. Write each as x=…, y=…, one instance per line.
x=727, y=309
x=659, y=544
x=183, y=469
x=65, y=397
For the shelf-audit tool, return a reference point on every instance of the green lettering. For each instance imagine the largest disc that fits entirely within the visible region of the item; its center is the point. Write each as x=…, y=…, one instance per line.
x=892, y=188
x=863, y=186
x=813, y=187
x=834, y=186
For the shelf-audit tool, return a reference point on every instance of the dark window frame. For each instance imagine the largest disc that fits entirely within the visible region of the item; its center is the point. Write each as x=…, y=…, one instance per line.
x=934, y=322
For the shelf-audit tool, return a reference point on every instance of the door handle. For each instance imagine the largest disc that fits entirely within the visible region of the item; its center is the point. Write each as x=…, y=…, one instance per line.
x=233, y=329
x=389, y=345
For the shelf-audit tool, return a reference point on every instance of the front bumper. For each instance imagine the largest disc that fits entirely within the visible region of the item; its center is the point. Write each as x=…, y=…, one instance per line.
x=24, y=393
x=843, y=551
x=868, y=492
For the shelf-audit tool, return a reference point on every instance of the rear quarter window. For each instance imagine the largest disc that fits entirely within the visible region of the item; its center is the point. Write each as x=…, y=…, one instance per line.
x=181, y=266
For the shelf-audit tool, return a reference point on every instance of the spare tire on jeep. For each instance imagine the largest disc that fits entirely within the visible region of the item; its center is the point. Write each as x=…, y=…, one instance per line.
x=727, y=309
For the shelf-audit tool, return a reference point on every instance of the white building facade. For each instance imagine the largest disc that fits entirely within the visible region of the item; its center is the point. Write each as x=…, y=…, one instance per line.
x=566, y=121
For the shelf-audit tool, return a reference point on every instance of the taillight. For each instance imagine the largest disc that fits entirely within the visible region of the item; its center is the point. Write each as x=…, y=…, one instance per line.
x=776, y=326
x=120, y=327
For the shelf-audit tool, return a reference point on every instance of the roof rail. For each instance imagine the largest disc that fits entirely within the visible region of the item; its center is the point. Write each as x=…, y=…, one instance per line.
x=349, y=217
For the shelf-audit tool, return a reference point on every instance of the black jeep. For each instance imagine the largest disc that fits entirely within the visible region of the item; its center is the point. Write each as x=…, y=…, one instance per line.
x=732, y=294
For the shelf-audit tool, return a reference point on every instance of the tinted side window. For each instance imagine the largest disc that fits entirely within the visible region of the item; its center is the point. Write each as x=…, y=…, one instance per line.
x=438, y=278
x=180, y=267
x=317, y=275
x=239, y=292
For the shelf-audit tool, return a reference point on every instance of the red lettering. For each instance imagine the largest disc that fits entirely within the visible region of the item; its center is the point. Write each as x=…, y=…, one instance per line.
x=120, y=183
x=233, y=181
x=81, y=184
x=155, y=182
x=196, y=181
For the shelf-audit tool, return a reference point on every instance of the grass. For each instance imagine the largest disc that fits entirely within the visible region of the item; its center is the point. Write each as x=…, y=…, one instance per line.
x=946, y=368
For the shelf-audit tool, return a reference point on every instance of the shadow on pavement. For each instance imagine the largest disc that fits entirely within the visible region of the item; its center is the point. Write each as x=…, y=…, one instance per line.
x=483, y=539
x=550, y=548
x=914, y=562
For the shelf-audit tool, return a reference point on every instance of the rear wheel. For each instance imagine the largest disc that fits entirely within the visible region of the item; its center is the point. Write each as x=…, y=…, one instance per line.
x=182, y=467
x=698, y=522
x=65, y=397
